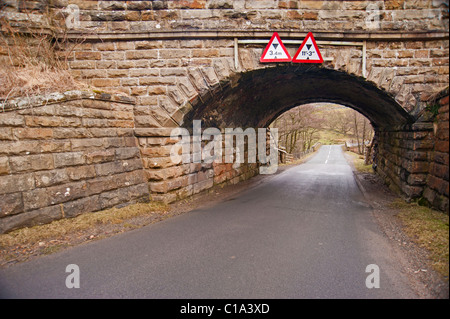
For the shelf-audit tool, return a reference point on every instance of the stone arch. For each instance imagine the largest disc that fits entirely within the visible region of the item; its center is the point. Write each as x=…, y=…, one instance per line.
x=255, y=98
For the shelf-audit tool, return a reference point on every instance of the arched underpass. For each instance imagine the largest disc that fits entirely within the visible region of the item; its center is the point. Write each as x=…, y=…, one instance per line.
x=260, y=96
x=254, y=99
x=306, y=234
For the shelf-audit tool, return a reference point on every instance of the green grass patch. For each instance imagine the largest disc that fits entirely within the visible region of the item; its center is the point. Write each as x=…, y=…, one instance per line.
x=429, y=229
x=358, y=163
x=330, y=137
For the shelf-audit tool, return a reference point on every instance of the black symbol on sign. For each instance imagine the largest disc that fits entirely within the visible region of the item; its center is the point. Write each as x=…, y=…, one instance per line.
x=309, y=46
x=275, y=45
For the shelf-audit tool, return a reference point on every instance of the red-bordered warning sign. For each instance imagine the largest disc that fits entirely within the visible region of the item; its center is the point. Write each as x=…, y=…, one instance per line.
x=275, y=51
x=308, y=51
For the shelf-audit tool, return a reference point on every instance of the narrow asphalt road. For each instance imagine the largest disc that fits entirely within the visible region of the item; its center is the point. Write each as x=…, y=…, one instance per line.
x=304, y=233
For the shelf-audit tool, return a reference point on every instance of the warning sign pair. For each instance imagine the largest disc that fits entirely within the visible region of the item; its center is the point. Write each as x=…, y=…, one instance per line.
x=308, y=52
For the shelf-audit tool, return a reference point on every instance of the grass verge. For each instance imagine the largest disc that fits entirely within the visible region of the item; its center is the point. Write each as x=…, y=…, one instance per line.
x=429, y=229
x=24, y=243
x=358, y=162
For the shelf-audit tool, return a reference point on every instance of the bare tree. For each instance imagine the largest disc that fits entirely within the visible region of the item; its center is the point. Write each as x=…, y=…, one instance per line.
x=299, y=127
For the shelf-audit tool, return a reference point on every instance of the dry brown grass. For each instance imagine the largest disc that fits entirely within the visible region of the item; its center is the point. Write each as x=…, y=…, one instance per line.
x=32, y=64
x=35, y=80
x=429, y=229
x=26, y=243
x=64, y=227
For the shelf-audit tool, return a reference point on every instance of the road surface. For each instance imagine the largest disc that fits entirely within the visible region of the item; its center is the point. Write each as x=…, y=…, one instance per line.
x=304, y=233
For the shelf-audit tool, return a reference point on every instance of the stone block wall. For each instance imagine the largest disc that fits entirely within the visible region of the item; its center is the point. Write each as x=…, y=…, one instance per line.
x=314, y=15
x=437, y=189
x=169, y=55
x=169, y=181
x=66, y=155
x=160, y=75
x=403, y=158
x=167, y=52
x=414, y=159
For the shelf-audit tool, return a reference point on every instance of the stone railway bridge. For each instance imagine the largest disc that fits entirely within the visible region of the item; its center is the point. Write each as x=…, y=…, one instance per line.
x=178, y=61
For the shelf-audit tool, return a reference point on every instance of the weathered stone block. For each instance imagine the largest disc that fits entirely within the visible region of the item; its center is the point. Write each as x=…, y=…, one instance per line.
x=86, y=144
x=80, y=172
x=113, y=55
x=146, y=122
x=83, y=205
x=30, y=218
x=204, y=175
x=69, y=133
x=158, y=162
x=145, y=45
x=68, y=159
x=50, y=178
x=417, y=179
x=33, y=133
x=187, y=88
x=127, y=153
x=105, y=82
x=141, y=54
x=4, y=166
x=94, y=122
x=441, y=158
x=11, y=204
x=129, y=141
x=210, y=76
x=154, y=89
x=156, y=151
x=132, y=165
x=31, y=162
x=442, y=146
x=120, y=123
x=16, y=183
x=203, y=185
x=11, y=119
x=164, y=198
x=440, y=171
x=82, y=65
x=109, y=168
x=120, y=73
x=88, y=55
x=205, y=53
x=164, y=174
x=412, y=191
x=44, y=197
x=168, y=185
x=105, y=46
x=168, y=105
x=6, y=133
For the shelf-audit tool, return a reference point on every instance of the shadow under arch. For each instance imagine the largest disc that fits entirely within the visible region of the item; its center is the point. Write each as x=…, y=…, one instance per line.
x=256, y=98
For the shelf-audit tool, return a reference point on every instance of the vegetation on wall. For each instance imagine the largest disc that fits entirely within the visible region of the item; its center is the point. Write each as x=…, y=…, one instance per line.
x=31, y=60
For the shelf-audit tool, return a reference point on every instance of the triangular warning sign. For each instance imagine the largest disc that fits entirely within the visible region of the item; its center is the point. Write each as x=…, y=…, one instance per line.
x=308, y=51
x=275, y=51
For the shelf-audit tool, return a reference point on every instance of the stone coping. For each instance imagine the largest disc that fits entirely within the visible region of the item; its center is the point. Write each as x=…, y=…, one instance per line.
x=57, y=97
x=263, y=34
